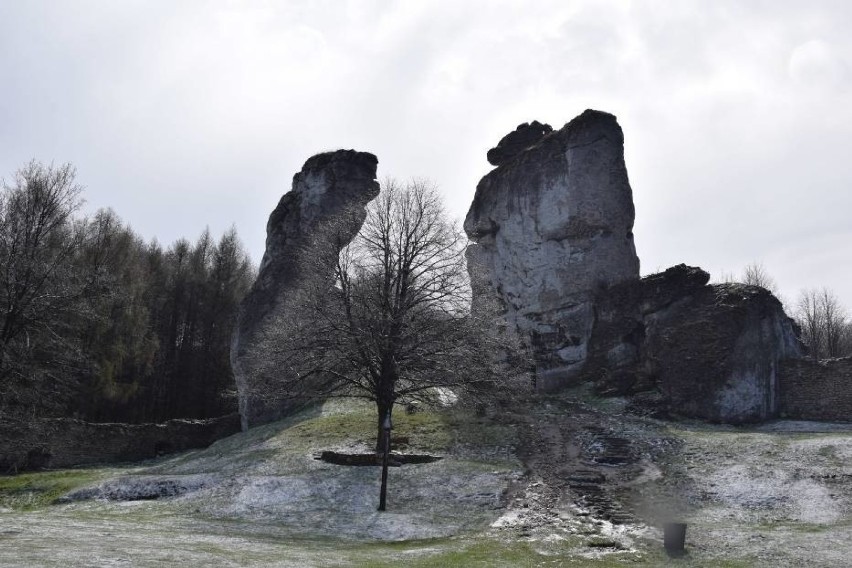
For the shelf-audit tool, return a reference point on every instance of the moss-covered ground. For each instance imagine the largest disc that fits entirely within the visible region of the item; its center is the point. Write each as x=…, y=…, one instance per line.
x=33, y=491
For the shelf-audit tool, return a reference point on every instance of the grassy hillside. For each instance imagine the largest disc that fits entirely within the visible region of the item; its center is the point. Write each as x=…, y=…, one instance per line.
x=498, y=496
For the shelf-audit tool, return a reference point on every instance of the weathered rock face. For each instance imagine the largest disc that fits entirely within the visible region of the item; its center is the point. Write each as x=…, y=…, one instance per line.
x=716, y=353
x=553, y=243
x=551, y=225
x=618, y=347
x=525, y=135
x=333, y=187
x=712, y=351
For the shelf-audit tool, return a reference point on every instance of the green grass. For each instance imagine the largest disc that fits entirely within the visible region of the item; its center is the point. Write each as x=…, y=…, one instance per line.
x=30, y=491
x=286, y=445
x=452, y=553
x=283, y=447
x=490, y=551
x=332, y=429
x=427, y=431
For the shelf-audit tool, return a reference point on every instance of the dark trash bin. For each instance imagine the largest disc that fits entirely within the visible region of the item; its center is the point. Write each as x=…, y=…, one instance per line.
x=674, y=536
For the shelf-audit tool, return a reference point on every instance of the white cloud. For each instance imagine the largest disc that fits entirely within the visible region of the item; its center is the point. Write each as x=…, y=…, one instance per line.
x=185, y=114
x=816, y=65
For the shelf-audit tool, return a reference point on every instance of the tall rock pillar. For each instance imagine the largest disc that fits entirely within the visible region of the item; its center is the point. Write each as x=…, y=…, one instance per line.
x=333, y=187
x=551, y=225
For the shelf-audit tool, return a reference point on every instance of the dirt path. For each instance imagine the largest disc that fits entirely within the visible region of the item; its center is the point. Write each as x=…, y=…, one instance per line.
x=581, y=465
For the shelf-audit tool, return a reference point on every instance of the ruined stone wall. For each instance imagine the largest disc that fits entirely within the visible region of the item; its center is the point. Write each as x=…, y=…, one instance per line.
x=64, y=442
x=816, y=390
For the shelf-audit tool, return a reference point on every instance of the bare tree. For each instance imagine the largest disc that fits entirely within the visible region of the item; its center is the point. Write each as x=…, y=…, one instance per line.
x=809, y=317
x=394, y=323
x=755, y=274
x=834, y=321
x=846, y=341
x=824, y=323
x=38, y=238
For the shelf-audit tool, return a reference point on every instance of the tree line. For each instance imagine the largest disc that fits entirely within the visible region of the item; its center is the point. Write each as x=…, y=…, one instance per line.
x=99, y=324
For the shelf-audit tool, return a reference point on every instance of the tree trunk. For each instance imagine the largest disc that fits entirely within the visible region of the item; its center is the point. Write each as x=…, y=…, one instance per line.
x=383, y=409
x=385, y=396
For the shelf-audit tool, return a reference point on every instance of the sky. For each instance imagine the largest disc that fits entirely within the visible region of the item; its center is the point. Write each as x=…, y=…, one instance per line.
x=182, y=115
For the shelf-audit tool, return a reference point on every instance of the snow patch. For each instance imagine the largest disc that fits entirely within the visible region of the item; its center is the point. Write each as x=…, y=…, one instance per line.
x=508, y=519
x=812, y=503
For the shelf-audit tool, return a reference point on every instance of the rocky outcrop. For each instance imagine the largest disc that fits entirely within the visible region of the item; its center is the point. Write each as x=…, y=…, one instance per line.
x=716, y=355
x=553, y=244
x=551, y=225
x=711, y=351
x=622, y=315
x=331, y=190
x=523, y=137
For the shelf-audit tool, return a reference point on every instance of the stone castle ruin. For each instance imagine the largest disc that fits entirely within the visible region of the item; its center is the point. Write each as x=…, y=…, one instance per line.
x=552, y=242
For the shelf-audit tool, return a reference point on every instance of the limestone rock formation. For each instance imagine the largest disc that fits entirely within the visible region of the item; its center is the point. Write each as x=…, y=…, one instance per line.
x=551, y=225
x=333, y=187
x=622, y=315
x=712, y=351
x=512, y=144
x=553, y=244
x=716, y=355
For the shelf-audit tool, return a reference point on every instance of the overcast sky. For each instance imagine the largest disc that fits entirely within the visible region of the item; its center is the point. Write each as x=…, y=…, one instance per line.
x=180, y=115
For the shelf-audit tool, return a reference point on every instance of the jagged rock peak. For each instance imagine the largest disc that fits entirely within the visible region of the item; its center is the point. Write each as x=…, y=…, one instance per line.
x=677, y=280
x=327, y=184
x=515, y=142
x=590, y=126
x=358, y=164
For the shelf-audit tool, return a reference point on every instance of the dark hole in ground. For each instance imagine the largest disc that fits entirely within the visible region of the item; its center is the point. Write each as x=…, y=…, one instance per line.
x=395, y=460
x=611, y=460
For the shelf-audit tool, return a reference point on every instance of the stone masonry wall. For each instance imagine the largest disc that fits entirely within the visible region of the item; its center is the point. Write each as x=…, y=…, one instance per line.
x=65, y=442
x=816, y=390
